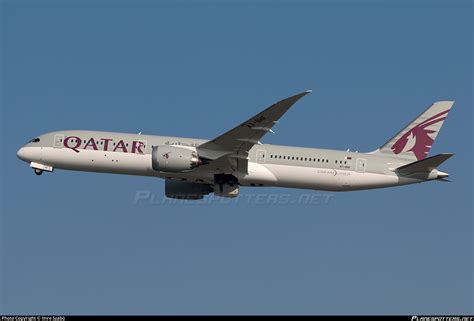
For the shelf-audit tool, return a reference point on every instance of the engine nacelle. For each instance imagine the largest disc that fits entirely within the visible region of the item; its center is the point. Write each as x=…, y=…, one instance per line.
x=174, y=159
x=186, y=190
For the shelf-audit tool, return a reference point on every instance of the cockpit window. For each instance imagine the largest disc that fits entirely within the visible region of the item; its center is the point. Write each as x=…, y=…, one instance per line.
x=35, y=140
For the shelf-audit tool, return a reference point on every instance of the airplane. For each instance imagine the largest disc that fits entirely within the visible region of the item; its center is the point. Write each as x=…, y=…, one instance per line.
x=193, y=168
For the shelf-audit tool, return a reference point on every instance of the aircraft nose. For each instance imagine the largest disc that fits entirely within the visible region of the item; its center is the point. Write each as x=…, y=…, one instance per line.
x=21, y=154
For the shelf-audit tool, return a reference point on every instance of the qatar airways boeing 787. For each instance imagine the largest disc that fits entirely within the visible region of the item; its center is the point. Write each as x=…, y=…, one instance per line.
x=193, y=167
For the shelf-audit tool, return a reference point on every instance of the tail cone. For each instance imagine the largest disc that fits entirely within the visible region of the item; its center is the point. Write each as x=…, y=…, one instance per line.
x=442, y=175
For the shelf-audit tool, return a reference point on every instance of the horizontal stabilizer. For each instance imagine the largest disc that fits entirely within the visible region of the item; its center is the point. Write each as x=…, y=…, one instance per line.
x=424, y=165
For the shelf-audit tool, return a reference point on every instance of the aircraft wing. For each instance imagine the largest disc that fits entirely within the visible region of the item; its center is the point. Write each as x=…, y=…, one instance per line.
x=232, y=148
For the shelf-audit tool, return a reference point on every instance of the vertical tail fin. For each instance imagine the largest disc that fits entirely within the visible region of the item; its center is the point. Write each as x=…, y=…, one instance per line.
x=414, y=141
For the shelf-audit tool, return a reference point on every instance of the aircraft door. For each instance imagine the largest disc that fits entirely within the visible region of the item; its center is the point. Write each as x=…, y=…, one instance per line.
x=58, y=141
x=360, y=165
x=261, y=156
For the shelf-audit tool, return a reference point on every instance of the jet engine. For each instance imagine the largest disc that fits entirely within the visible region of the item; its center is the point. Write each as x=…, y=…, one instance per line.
x=186, y=190
x=175, y=159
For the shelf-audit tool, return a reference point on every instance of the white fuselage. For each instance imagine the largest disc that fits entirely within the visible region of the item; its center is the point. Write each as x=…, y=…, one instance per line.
x=269, y=165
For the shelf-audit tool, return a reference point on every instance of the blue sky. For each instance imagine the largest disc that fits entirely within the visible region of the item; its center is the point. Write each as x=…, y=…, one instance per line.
x=78, y=243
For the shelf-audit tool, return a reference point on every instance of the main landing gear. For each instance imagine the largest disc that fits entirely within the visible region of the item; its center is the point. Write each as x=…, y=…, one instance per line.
x=226, y=185
x=38, y=171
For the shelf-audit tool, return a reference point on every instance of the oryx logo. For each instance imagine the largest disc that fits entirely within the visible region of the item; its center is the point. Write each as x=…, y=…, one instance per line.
x=167, y=155
x=418, y=139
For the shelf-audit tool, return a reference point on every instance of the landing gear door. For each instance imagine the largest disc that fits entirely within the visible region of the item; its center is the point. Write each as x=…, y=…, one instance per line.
x=360, y=165
x=58, y=141
x=260, y=156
